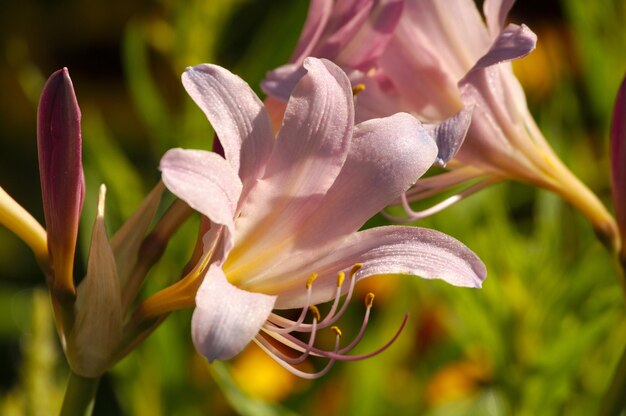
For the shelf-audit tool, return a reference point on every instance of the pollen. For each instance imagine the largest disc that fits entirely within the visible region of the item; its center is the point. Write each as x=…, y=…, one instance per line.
x=369, y=300
x=357, y=89
x=355, y=268
x=341, y=276
x=310, y=281
x=336, y=330
x=315, y=312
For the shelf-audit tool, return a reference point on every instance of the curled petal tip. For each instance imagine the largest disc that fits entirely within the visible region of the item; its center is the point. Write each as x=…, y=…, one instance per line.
x=61, y=172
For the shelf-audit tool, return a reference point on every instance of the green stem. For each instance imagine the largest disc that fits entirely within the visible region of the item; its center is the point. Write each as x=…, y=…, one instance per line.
x=80, y=395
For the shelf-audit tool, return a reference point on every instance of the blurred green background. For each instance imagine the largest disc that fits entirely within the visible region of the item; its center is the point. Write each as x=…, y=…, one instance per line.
x=543, y=335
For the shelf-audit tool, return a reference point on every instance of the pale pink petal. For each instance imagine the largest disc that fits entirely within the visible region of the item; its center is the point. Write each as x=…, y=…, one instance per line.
x=280, y=82
x=237, y=115
x=354, y=37
x=310, y=151
x=387, y=156
x=226, y=318
x=432, y=91
x=496, y=12
x=367, y=44
x=453, y=30
x=205, y=181
x=513, y=43
x=389, y=250
x=450, y=134
x=316, y=21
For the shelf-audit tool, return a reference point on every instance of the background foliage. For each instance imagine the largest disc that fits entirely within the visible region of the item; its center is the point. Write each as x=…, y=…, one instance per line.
x=542, y=337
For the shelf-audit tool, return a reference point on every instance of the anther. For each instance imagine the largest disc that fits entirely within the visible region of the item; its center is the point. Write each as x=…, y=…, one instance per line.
x=315, y=312
x=369, y=300
x=336, y=330
x=357, y=89
x=355, y=268
x=341, y=276
x=310, y=281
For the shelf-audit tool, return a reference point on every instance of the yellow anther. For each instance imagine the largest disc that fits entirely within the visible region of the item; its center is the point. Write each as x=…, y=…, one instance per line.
x=369, y=300
x=336, y=330
x=355, y=268
x=358, y=88
x=341, y=276
x=315, y=312
x=309, y=282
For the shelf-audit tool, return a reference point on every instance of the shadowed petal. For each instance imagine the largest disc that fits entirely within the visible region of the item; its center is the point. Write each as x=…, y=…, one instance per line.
x=280, y=82
x=390, y=250
x=450, y=134
x=374, y=29
x=316, y=20
x=237, y=115
x=61, y=172
x=205, y=181
x=513, y=43
x=226, y=318
x=496, y=12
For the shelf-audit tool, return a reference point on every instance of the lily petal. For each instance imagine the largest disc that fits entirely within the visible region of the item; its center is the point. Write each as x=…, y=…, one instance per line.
x=237, y=115
x=496, y=12
x=205, y=181
x=372, y=26
x=311, y=149
x=391, y=250
x=450, y=134
x=316, y=20
x=280, y=82
x=226, y=318
x=387, y=156
x=513, y=43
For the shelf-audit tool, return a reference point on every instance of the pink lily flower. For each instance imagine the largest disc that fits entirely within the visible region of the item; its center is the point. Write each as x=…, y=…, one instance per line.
x=285, y=213
x=440, y=61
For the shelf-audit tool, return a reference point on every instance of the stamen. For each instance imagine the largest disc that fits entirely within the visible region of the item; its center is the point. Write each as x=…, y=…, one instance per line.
x=336, y=330
x=295, y=371
x=341, y=276
x=355, y=268
x=332, y=316
x=281, y=330
x=310, y=281
x=296, y=324
x=357, y=89
x=315, y=312
x=369, y=301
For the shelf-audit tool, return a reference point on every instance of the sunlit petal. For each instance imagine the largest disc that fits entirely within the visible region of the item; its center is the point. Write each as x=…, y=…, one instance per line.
x=226, y=318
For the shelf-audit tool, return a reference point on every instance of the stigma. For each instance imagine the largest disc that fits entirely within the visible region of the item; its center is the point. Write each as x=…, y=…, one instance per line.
x=280, y=337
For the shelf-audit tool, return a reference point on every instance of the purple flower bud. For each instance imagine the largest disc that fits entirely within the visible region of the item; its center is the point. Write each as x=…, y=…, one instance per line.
x=61, y=174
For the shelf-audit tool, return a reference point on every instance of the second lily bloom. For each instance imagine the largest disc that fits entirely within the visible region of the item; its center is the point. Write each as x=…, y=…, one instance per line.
x=435, y=59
